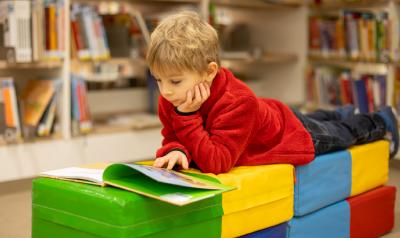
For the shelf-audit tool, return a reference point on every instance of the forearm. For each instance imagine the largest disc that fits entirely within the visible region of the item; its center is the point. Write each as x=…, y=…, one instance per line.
x=216, y=153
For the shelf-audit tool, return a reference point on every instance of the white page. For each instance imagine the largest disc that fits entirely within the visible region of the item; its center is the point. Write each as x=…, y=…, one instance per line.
x=93, y=175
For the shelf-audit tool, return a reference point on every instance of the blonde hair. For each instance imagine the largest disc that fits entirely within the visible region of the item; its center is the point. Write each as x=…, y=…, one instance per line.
x=182, y=42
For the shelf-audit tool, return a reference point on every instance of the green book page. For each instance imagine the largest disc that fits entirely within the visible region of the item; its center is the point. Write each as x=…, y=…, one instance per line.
x=126, y=177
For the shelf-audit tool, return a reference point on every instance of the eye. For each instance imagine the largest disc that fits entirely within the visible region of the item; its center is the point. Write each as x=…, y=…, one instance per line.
x=175, y=82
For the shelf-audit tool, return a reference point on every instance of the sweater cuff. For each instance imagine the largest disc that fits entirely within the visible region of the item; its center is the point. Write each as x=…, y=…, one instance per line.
x=184, y=113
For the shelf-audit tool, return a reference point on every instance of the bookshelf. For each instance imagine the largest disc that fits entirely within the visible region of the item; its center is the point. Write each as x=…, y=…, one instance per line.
x=356, y=61
x=127, y=142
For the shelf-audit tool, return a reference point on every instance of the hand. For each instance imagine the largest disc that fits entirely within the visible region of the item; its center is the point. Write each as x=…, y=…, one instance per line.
x=172, y=158
x=195, y=99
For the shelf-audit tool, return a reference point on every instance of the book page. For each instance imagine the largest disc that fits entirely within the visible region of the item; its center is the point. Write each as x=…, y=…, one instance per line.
x=76, y=173
x=172, y=177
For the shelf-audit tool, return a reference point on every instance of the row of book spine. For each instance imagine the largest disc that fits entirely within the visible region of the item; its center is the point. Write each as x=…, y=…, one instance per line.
x=89, y=41
x=35, y=29
x=33, y=111
x=357, y=35
x=30, y=113
x=81, y=117
x=329, y=86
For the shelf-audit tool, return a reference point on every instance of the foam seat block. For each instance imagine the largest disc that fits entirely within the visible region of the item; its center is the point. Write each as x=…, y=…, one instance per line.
x=263, y=198
x=67, y=209
x=336, y=176
x=329, y=222
x=370, y=214
x=278, y=231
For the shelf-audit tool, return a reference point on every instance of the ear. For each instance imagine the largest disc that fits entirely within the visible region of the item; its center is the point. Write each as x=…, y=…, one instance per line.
x=212, y=70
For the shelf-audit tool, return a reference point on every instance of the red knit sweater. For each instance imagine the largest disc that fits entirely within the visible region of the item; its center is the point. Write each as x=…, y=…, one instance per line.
x=234, y=128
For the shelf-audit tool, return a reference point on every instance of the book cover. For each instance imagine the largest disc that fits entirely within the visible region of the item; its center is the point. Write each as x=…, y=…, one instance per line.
x=362, y=96
x=35, y=97
x=11, y=109
x=178, y=188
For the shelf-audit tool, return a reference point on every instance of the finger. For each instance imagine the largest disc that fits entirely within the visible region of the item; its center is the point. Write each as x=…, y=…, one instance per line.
x=159, y=162
x=203, y=92
x=171, y=162
x=189, y=97
x=184, y=163
x=208, y=89
x=155, y=162
x=197, y=97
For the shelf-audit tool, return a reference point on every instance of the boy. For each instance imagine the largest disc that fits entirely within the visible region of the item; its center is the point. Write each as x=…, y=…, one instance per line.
x=215, y=122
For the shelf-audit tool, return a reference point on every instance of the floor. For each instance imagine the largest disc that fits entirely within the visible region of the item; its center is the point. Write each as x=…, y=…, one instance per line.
x=15, y=206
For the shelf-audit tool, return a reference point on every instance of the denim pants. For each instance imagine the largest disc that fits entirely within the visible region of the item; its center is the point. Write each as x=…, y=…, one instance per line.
x=329, y=132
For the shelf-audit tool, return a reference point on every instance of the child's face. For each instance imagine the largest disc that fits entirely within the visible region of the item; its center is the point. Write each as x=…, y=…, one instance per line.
x=174, y=87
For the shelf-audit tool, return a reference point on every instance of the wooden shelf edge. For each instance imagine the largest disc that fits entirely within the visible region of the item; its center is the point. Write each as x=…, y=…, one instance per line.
x=356, y=4
x=36, y=140
x=269, y=58
x=258, y=4
x=341, y=60
x=33, y=65
x=28, y=160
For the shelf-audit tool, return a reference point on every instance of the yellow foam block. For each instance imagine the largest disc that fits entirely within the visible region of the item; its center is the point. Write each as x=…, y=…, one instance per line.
x=263, y=198
x=370, y=166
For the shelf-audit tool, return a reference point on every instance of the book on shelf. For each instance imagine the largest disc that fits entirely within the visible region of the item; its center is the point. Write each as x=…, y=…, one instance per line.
x=178, y=188
x=35, y=98
x=39, y=105
x=396, y=90
x=34, y=28
x=81, y=118
x=15, y=17
x=47, y=121
x=127, y=34
x=335, y=86
x=88, y=36
x=11, y=129
x=357, y=35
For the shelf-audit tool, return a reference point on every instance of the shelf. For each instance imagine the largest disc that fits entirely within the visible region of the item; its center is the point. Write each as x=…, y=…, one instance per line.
x=33, y=65
x=120, y=122
x=33, y=141
x=110, y=60
x=347, y=63
x=258, y=4
x=146, y=1
x=86, y=69
x=346, y=5
x=29, y=159
x=269, y=58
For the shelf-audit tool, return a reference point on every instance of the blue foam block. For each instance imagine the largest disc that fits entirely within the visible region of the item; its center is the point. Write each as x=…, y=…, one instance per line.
x=278, y=231
x=324, y=181
x=330, y=222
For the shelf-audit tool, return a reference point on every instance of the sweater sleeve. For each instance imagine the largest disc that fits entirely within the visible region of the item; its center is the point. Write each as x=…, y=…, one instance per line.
x=216, y=149
x=170, y=142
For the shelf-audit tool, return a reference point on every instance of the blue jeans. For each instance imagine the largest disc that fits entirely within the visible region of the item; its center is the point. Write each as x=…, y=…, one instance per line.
x=329, y=132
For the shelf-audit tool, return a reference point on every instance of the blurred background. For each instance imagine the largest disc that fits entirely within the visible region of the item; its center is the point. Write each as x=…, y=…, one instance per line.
x=75, y=88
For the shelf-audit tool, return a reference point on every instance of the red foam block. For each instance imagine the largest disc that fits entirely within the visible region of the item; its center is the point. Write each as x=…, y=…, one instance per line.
x=372, y=213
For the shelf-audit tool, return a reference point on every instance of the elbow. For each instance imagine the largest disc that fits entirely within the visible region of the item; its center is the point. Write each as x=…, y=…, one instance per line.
x=215, y=168
x=220, y=161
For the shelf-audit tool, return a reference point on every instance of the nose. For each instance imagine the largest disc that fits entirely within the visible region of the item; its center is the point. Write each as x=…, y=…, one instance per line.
x=166, y=91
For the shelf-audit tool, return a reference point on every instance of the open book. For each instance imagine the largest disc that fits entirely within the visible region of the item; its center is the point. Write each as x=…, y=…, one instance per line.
x=177, y=188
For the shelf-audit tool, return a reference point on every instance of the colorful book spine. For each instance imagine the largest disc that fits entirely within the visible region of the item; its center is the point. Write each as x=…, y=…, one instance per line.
x=12, y=119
